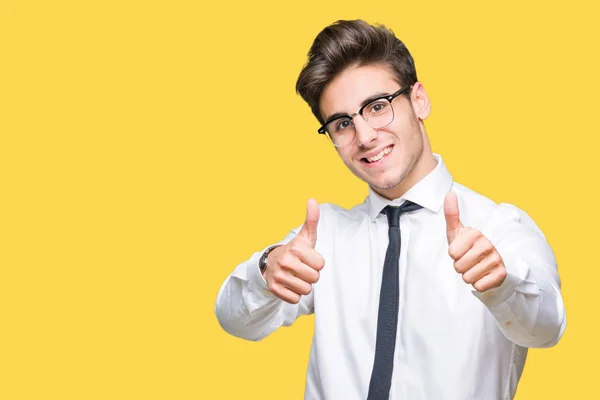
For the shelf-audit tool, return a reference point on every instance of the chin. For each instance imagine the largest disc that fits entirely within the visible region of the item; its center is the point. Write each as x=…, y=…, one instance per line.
x=387, y=183
x=384, y=181
x=383, y=186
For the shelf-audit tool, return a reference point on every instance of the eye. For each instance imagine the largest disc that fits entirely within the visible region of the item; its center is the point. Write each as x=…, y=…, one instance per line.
x=342, y=124
x=377, y=107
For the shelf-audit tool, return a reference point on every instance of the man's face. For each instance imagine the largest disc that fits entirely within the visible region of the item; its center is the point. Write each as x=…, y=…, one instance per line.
x=387, y=158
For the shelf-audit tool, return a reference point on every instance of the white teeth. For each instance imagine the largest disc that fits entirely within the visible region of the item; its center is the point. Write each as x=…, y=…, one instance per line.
x=380, y=155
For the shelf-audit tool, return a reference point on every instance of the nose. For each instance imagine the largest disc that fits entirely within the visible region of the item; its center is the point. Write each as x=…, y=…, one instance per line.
x=364, y=133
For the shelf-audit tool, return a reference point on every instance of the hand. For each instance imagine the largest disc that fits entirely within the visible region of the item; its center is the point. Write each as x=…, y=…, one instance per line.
x=294, y=267
x=475, y=257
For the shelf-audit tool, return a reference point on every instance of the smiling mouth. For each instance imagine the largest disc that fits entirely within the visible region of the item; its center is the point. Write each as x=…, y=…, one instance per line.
x=378, y=157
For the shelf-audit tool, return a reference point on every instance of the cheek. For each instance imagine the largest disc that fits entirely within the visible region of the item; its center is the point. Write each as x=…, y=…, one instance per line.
x=345, y=154
x=407, y=132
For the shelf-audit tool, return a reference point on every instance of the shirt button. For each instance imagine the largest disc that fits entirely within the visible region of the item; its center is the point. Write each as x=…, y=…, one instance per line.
x=267, y=292
x=488, y=294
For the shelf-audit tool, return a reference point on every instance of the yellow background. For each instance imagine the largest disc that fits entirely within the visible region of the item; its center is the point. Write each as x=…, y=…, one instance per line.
x=148, y=147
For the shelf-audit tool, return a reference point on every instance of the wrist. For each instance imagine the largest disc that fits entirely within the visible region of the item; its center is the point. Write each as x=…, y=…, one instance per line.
x=264, y=259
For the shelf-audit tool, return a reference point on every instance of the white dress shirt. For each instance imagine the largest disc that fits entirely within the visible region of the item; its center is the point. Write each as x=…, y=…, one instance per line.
x=452, y=341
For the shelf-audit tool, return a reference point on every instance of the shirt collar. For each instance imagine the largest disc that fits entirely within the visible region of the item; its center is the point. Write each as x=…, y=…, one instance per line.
x=429, y=192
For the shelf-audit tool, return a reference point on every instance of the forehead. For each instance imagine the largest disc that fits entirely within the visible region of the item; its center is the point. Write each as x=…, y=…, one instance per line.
x=346, y=91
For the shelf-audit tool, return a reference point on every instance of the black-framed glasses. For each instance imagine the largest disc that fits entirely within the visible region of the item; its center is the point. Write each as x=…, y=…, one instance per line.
x=377, y=113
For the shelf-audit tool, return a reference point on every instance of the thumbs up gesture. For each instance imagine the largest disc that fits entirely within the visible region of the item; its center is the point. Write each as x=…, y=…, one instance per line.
x=475, y=257
x=294, y=267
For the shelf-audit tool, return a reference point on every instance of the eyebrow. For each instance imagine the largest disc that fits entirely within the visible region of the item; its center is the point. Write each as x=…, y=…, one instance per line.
x=362, y=104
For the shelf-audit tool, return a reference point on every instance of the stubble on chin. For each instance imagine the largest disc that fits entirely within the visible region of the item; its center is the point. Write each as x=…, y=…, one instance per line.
x=381, y=187
x=397, y=180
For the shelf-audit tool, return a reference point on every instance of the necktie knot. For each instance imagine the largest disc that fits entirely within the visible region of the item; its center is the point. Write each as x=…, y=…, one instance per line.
x=393, y=213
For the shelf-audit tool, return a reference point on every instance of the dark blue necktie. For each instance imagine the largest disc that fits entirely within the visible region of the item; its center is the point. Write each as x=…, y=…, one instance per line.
x=387, y=319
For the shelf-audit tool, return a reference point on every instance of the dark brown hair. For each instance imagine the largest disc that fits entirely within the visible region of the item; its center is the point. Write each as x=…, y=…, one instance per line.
x=351, y=43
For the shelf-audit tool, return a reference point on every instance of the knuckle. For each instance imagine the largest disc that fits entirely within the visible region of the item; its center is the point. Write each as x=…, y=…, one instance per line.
x=317, y=266
x=295, y=247
x=312, y=277
x=276, y=290
x=286, y=260
x=483, y=285
x=292, y=298
x=453, y=252
x=487, y=245
x=502, y=274
x=495, y=259
x=474, y=232
x=278, y=276
x=458, y=267
x=317, y=276
x=320, y=263
x=467, y=278
x=306, y=289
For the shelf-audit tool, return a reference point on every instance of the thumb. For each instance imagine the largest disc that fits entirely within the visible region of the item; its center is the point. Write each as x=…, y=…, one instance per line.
x=309, y=229
x=452, y=215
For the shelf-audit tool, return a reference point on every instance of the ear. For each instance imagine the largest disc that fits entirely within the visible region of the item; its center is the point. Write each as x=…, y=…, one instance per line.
x=420, y=101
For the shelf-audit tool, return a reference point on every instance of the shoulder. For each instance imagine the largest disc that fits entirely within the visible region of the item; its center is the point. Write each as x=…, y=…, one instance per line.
x=481, y=212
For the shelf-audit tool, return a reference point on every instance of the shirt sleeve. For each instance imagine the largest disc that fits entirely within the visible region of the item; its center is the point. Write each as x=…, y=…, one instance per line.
x=528, y=306
x=245, y=306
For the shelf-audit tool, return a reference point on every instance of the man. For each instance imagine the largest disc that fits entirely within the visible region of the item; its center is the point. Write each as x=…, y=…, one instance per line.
x=427, y=290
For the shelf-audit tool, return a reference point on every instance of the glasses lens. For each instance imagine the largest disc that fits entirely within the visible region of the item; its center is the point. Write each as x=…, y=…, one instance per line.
x=341, y=131
x=379, y=113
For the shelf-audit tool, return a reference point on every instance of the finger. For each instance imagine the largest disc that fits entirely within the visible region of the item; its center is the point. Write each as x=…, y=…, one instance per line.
x=308, y=255
x=491, y=280
x=480, y=249
x=286, y=294
x=295, y=284
x=306, y=273
x=294, y=266
x=463, y=243
x=309, y=229
x=285, y=277
x=452, y=215
x=479, y=270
